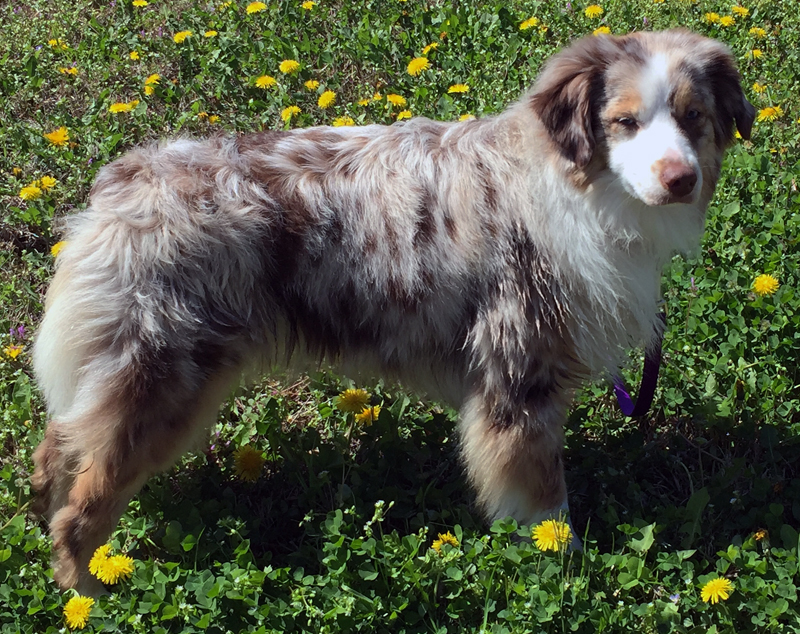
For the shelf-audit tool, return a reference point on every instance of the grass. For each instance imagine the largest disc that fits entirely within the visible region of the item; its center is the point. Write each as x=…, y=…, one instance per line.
x=335, y=533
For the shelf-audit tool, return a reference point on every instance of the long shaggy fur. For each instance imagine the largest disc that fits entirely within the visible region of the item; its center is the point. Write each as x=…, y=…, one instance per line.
x=494, y=263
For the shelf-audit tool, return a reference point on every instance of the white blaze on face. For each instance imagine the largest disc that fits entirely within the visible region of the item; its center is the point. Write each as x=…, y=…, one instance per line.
x=658, y=153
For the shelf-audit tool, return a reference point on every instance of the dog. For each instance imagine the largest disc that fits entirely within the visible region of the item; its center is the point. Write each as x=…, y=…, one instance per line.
x=495, y=263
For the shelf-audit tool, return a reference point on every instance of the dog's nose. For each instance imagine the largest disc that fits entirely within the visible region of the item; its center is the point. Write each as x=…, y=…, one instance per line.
x=678, y=178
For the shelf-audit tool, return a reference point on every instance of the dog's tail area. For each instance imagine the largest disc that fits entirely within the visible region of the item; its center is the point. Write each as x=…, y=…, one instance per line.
x=125, y=361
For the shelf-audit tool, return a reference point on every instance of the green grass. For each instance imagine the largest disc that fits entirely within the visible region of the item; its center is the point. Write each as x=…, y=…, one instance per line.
x=336, y=534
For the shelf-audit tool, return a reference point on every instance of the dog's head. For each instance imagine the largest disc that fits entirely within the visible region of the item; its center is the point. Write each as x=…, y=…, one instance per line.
x=657, y=109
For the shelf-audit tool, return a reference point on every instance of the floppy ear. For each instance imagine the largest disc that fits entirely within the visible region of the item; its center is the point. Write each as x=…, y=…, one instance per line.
x=731, y=103
x=568, y=88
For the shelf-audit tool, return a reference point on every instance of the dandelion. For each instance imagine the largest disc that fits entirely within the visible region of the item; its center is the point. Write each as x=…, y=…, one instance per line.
x=16, y=171
x=368, y=415
x=715, y=590
x=140, y=3
x=118, y=107
x=727, y=20
x=339, y=122
x=58, y=44
x=288, y=66
x=352, y=401
x=770, y=113
x=761, y=534
x=71, y=70
x=30, y=192
x=404, y=114
x=180, y=36
x=658, y=1
x=529, y=24
x=466, y=117
x=326, y=99
x=756, y=53
x=47, y=182
x=152, y=79
x=255, y=7
x=308, y=5
x=112, y=569
x=759, y=88
x=248, y=462
x=429, y=48
x=202, y=115
x=265, y=81
x=364, y=102
x=288, y=113
x=76, y=612
x=742, y=12
x=377, y=97
x=56, y=248
x=149, y=90
x=417, y=65
x=99, y=558
x=442, y=539
x=601, y=30
x=211, y=33
x=458, y=88
x=711, y=18
x=58, y=137
x=134, y=55
x=765, y=285
x=213, y=119
x=312, y=84
x=396, y=100
x=552, y=535
x=593, y=11
x=757, y=32
x=12, y=351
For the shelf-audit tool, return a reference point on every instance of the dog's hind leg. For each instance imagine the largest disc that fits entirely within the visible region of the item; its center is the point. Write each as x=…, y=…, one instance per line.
x=95, y=458
x=513, y=455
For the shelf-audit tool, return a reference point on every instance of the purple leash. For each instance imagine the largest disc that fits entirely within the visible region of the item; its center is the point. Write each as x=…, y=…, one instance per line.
x=652, y=363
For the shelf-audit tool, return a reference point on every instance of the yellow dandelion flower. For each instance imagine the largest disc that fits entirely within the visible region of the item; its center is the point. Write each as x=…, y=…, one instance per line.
x=404, y=114
x=458, y=88
x=152, y=79
x=429, y=48
x=202, y=115
x=76, y=612
x=211, y=33
x=658, y=1
x=364, y=102
x=12, y=351
x=601, y=30
x=149, y=90
x=16, y=171
x=466, y=117
x=180, y=36
x=248, y=462
x=265, y=81
x=727, y=20
x=288, y=66
x=765, y=285
x=288, y=113
x=139, y=3
x=99, y=558
x=759, y=88
x=593, y=11
x=758, y=32
x=308, y=5
x=396, y=100
x=312, y=84
x=69, y=70
x=111, y=569
x=340, y=122
x=134, y=55
x=56, y=248
x=377, y=97
x=58, y=44
x=30, y=192
x=368, y=415
x=742, y=12
x=59, y=136
x=716, y=589
x=552, y=535
x=352, y=401
x=123, y=107
x=711, y=18
x=529, y=24
x=256, y=7
x=761, y=534
x=213, y=119
x=442, y=539
x=770, y=113
x=326, y=99
x=417, y=65
x=756, y=53
x=47, y=182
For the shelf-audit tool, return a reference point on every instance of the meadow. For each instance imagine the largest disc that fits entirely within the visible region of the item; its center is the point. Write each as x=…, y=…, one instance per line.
x=301, y=516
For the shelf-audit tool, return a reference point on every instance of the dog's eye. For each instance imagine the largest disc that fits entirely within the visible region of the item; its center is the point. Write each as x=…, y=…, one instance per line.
x=628, y=122
x=692, y=115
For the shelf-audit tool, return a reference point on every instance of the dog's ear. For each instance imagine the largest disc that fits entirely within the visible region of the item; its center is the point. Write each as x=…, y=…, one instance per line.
x=732, y=105
x=568, y=88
